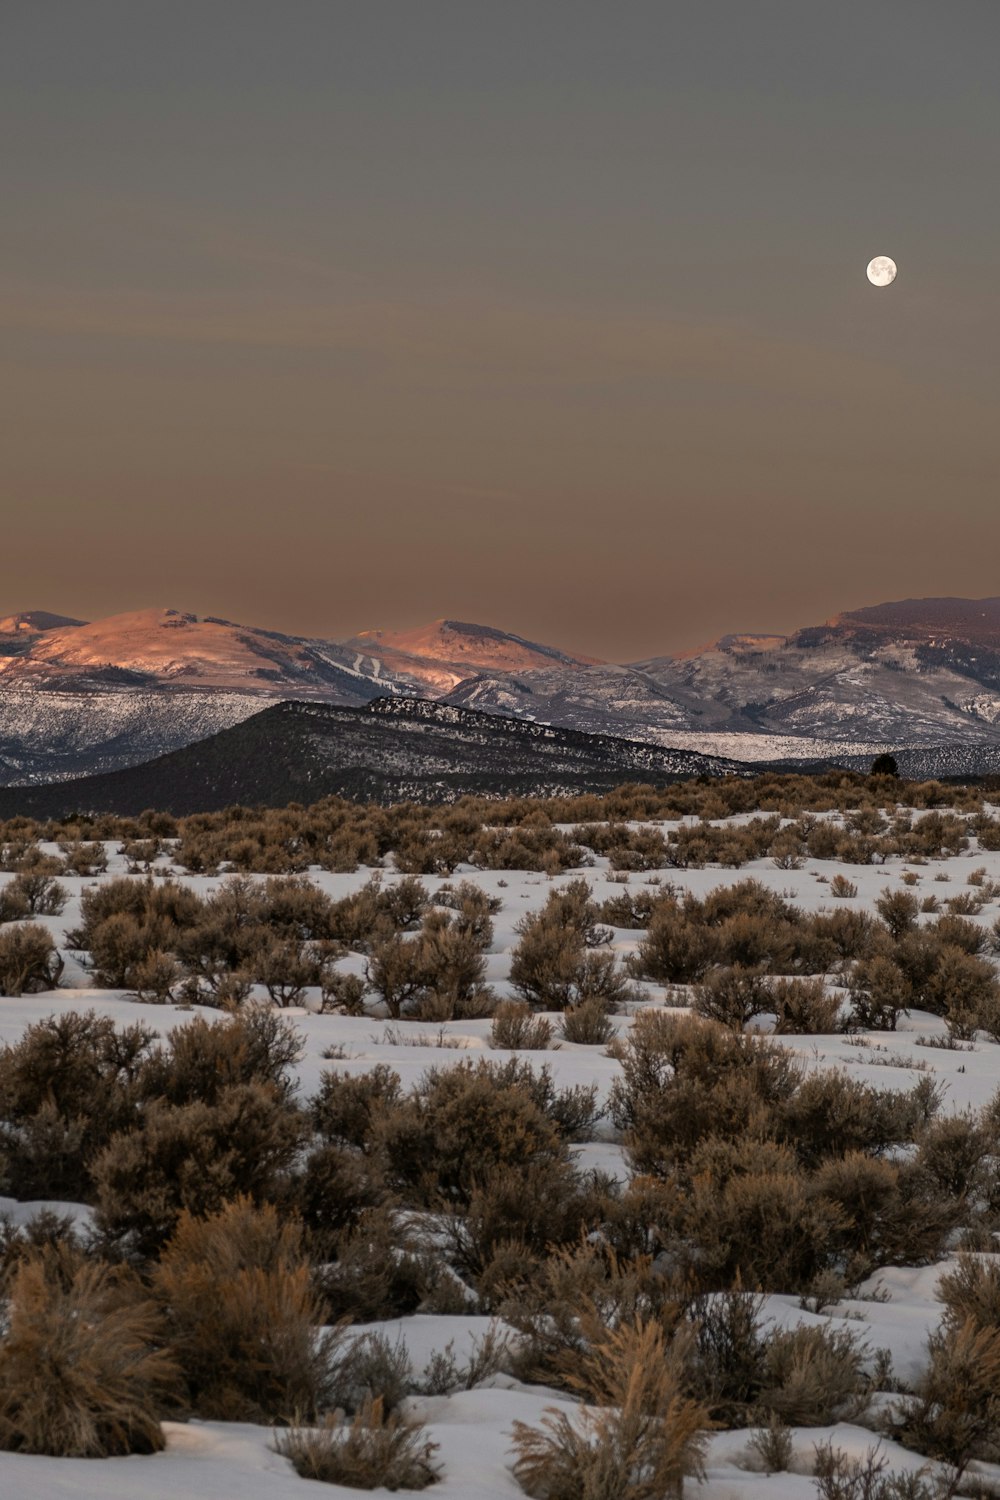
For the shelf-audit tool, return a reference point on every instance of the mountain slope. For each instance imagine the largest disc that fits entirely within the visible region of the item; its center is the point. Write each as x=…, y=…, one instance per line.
x=915, y=673
x=968, y=620
x=83, y=698
x=94, y=727
x=446, y=652
x=168, y=648
x=18, y=633
x=395, y=749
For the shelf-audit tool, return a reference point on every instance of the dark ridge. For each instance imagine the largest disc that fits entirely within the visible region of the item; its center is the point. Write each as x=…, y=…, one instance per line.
x=972, y=619
x=391, y=750
x=43, y=619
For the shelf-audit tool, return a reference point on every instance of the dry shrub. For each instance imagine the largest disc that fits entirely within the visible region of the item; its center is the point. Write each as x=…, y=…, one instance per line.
x=395, y=974
x=19, y=849
x=841, y=887
x=123, y=921
x=626, y=848
x=953, y=1155
x=82, y=1373
x=971, y=1291
x=848, y=933
x=639, y=1439
x=648, y=1055
x=379, y=1270
x=279, y=934
x=243, y=1318
x=516, y=1028
x=32, y=893
x=813, y=1377
x=891, y=1214
x=880, y=993
x=204, y=1058
x=157, y=977
x=342, y=993
x=376, y=910
x=459, y=1125
x=954, y=1415
x=489, y=1355
x=758, y=1182
x=140, y=854
x=286, y=968
x=760, y=1228
x=750, y=939
x=168, y=900
x=334, y=1186
x=376, y=1451
x=438, y=973
x=474, y=905
x=536, y=1206
x=958, y=932
x=677, y=949
x=373, y=1366
x=554, y=966
x=539, y=847
x=803, y=1377
x=632, y=908
x=732, y=996
x=573, y=1110
x=453, y=965
x=119, y=946
x=773, y=1446
x=961, y=985
x=44, y=1230
x=898, y=910
x=347, y=1107
x=831, y=1114
x=965, y=904
x=13, y=906
x=66, y=1086
x=729, y=1351
x=293, y=907
x=422, y=851
x=192, y=1157
x=84, y=858
x=560, y=1301
x=841, y=1477
x=29, y=962
x=684, y=1079
x=587, y=1024
x=803, y=1007
x=786, y=851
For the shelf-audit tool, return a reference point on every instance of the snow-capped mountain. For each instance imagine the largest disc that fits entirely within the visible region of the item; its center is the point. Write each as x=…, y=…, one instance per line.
x=168, y=648
x=913, y=673
x=446, y=652
x=79, y=698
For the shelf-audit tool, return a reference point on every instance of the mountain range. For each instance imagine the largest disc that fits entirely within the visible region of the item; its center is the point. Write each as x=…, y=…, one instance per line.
x=79, y=698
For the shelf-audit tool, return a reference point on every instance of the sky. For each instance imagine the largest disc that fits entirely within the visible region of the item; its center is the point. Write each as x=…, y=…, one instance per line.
x=331, y=315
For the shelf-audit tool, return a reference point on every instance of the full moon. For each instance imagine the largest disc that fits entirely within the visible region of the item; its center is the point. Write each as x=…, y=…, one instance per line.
x=881, y=271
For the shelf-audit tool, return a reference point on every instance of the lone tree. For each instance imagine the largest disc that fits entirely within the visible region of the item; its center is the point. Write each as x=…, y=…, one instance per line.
x=884, y=765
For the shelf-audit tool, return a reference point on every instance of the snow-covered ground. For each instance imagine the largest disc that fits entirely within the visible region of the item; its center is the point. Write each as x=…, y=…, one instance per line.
x=744, y=746
x=895, y=1311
